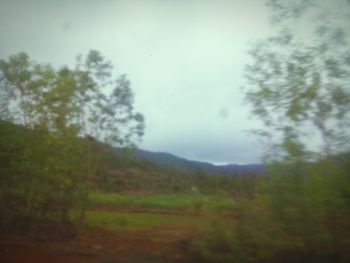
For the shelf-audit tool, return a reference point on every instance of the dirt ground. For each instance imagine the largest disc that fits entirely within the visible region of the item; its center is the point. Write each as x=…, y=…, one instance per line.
x=100, y=246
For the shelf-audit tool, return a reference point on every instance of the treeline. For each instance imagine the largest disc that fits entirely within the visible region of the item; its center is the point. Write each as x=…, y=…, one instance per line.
x=124, y=172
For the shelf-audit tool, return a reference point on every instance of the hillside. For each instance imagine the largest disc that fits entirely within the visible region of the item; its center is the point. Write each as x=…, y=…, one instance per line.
x=175, y=161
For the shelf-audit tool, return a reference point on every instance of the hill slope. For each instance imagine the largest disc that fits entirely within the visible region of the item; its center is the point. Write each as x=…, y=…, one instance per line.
x=175, y=161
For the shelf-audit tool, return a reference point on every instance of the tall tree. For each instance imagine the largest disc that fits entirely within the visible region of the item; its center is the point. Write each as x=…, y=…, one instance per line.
x=67, y=113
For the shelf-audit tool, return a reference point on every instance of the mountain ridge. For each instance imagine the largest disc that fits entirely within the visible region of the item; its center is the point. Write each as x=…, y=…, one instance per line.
x=170, y=159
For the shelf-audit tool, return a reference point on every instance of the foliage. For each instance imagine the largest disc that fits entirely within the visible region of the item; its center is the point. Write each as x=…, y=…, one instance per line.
x=300, y=78
x=51, y=120
x=40, y=182
x=299, y=211
x=298, y=214
x=86, y=100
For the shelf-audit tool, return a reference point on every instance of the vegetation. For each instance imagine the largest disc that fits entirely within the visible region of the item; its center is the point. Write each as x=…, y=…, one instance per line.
x=190, y=202
x=297, y=213
x=300, y=86
x=50, y=157
x=300, y=211
x=116, y=221
x=62, y=160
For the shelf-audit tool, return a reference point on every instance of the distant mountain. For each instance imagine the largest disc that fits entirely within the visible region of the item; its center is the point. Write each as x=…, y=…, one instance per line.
x=175, y=161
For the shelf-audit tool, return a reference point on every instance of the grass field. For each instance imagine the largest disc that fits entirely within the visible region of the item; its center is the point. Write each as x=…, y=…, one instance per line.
x=112, y=220
x=139, y=212
x=163, y=201
x=163, y=226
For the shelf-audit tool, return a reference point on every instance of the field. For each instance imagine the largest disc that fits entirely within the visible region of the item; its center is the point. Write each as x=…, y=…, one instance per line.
x=131, y=228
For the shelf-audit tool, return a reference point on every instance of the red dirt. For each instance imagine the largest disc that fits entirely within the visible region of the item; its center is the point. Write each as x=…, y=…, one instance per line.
x=101, y=246
x=16, y=249
x=163, y=211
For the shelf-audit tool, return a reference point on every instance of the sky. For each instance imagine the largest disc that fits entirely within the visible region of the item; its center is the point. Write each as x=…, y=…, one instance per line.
x=185, y=60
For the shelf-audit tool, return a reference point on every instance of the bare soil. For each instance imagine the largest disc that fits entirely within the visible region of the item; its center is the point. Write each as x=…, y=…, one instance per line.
x=164, y=243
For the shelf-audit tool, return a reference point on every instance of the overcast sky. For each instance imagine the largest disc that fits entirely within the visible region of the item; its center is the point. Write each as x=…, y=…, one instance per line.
x=184, y=58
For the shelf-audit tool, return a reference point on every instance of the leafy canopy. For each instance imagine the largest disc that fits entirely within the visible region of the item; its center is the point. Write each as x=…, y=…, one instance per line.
x=86, y=100
x=299, y=78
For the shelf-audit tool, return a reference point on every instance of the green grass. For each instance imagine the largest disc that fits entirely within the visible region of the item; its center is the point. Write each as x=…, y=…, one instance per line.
x=162, y=201
x=201, y=210
x=116, y=221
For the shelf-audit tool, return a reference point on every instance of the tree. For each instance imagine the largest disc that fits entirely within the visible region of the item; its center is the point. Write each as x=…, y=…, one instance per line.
x=66, y=115
x=300, y=89
x=300, y=78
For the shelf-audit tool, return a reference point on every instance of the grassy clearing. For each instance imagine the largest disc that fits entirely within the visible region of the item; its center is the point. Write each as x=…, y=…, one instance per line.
x=162, y=201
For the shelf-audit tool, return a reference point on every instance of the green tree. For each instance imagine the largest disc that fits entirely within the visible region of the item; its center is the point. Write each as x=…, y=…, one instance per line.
x=300, y=77
x=300, y=89
x=67, y=115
